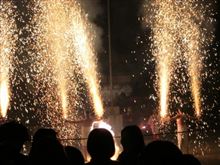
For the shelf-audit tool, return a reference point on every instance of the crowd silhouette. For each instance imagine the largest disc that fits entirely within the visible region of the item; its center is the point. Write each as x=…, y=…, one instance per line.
x=46, y=149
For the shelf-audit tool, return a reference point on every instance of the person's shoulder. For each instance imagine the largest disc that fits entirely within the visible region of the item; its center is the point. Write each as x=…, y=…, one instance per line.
x=114, y=162
x=111, y=162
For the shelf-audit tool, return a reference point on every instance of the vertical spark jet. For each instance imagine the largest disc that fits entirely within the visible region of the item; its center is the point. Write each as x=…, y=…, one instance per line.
x=83, y=37
x=52, y=20
x=178, y=33
x=66, y=46
x=193, y=40
x=194, y=37
x=194, y=60
x=7, y=47
x=163, y=49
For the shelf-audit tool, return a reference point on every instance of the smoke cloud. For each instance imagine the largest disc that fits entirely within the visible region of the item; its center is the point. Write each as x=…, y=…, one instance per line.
x=93, y=9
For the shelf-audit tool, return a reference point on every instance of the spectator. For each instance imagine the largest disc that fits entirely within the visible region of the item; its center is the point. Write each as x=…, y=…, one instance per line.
x=12, y=137
x=100, y=146
x=161, y=153
x=133, y=143
x=74, y=156
x=46, y=149
x=190, y=160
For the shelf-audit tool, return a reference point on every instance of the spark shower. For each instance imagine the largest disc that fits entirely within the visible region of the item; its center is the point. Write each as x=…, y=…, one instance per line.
x=178, y=34
x=63, y=58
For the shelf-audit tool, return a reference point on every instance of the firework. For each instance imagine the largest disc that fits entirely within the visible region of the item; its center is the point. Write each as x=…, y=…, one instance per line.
x=178, y=35
x=65, y=62
x=7, y=48
x=85, y=55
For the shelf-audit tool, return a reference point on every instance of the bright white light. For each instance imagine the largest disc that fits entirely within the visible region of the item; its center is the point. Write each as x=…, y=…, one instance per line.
x=102, y=124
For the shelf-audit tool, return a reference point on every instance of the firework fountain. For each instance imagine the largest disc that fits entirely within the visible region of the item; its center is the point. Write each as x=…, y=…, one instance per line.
x=60, y=48
x=66, y=59
x=181, y=31
x=7, y=48
x=65, y=64
x=178, y=35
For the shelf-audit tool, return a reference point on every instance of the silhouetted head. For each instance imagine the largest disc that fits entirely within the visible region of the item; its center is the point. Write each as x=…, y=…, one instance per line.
x=43, y=133
x=46, y=148
x=190, y=159
x=100, y=144
x=160, y=153
x=132, y=139
x=13, y=135
x=74, y=155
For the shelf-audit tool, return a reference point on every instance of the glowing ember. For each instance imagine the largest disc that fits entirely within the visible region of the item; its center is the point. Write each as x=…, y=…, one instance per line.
x=7, y=47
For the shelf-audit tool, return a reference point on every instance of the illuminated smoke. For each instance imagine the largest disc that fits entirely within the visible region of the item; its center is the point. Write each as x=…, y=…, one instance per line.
x=178, y=34
x=7, y=48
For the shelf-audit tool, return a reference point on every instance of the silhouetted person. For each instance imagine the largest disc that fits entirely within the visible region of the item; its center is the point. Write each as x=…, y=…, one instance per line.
x=74, y=156
x=133, y=143
x=46, y=149
x=182, y=129
x=154, y=123
x=190, y=160
x=100, y=146
x=12, y=137
x=161, y=153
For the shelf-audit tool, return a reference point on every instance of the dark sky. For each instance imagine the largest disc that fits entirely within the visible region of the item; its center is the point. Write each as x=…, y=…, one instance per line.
x=124, y=29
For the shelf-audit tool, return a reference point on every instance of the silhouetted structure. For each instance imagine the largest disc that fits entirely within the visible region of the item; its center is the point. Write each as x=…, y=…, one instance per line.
x=100, y=146
x=133, y=143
